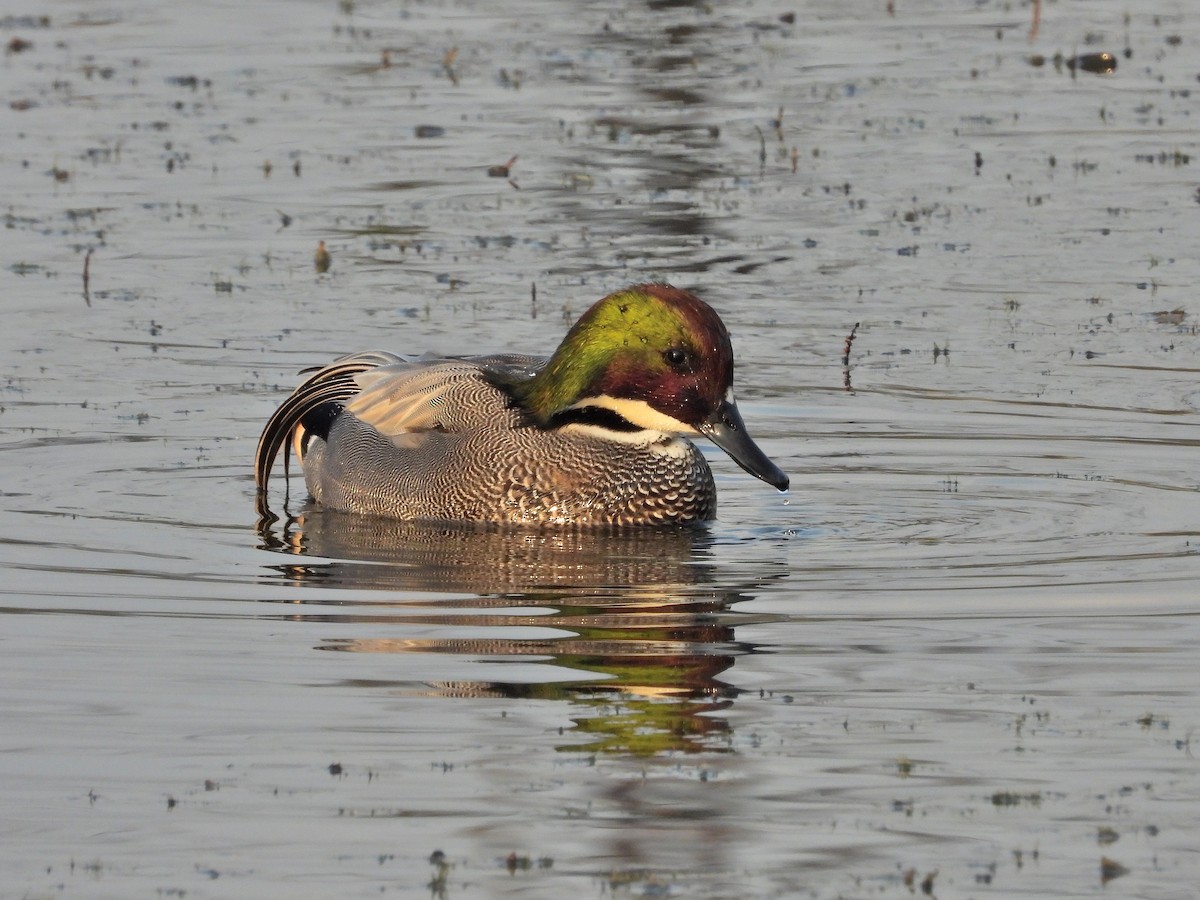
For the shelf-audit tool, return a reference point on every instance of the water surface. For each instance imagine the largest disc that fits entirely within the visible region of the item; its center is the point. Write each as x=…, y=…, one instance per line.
x=959, y=658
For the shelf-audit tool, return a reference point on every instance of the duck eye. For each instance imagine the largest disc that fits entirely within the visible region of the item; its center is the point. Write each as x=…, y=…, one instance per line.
x=675, y=357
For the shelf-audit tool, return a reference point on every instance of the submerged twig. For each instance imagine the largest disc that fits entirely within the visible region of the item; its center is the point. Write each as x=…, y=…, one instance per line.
x=846, y=357
x=849, y=341
x=87, y=260
x=448, y=65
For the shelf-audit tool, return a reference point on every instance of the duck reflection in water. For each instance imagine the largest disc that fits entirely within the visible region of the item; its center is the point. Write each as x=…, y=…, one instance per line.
x=646, y=629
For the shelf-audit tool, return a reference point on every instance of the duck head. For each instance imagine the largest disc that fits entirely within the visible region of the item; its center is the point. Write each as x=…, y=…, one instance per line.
x=660, y=359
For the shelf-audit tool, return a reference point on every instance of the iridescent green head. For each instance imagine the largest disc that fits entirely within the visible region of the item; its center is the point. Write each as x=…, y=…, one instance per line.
x=659, y=358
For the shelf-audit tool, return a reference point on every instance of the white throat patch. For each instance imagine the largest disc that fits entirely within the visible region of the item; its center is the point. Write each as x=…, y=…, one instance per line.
x=639, y=413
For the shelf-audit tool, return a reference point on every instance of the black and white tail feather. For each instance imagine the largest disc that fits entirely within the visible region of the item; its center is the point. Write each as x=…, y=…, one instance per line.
x=328, y=389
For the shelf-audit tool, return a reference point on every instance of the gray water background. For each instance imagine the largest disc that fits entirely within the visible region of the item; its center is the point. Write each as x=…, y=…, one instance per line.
x=958, y=660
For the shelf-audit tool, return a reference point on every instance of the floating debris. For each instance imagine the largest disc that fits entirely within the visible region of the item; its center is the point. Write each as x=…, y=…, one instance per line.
x=927, y=883
x=510, y=79
x=1110, y=869
x=1168, y=317
x=1163, y=157
x=24, y=22
x=188, y=81
x=437, y=884
x=512, y=862
x=501, y=171
x=1011, y=798
x=1096, y=63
